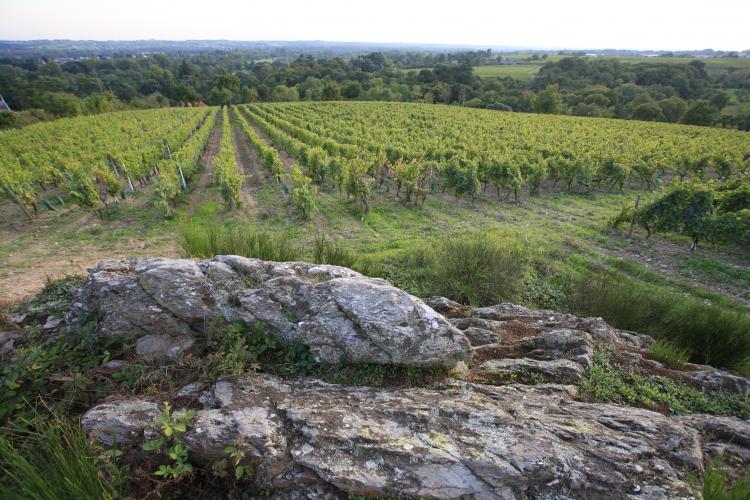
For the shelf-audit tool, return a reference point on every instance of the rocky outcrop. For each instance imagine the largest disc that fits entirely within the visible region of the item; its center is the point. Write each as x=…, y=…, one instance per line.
x=465, y=440
x=507, y=424
x=338, y=313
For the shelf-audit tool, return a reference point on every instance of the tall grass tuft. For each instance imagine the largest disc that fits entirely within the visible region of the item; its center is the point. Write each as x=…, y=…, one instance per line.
x=204, y=240
x=713, y=335
x=327, y=251
x=52, y=462
x=669, y=354
x=475, y=267
x=718, y=486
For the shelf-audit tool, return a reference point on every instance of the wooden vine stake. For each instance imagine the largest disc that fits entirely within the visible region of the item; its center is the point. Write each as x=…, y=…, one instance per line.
x=635, y=212
x=17, y=201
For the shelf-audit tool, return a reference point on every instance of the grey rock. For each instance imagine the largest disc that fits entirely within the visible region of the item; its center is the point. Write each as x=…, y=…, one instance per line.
x=719, y=380
x=114, y=365
x=338, y=313
x=17, y=318
x=523, y=369
x=158, y=347
x=563, y=343
x=467, y=440
x=52, y=323
x=120, y=422
x=446, y=307
x=479, y=331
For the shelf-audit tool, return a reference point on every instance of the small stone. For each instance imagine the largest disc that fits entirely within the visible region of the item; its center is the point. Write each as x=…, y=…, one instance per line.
x=52, y=323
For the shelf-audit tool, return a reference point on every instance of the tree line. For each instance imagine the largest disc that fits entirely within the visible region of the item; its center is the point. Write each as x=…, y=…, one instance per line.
x=654, y=91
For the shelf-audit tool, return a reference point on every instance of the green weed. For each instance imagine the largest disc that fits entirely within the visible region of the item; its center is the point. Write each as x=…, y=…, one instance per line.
x=669, y=354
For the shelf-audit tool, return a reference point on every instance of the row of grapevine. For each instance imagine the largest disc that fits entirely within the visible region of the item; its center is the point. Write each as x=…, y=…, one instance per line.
x=703, y=211
x=180, y=166
x=268, y=155
x=226, y=171
x=503, y=149
x=351, y=174
x=91, y=158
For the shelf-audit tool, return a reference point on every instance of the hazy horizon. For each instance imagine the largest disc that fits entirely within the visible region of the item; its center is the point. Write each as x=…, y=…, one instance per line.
x=582, y=24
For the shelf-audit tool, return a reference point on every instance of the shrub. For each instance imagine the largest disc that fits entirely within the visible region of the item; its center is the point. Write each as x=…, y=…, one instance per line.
x=669, y=354
x=475, y=268
x=199, y=239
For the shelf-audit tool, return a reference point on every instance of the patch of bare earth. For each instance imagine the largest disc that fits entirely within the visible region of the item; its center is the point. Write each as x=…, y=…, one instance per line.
x=200, y=192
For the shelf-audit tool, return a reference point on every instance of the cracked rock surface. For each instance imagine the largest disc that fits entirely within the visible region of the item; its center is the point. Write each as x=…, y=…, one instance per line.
x=466, y=440
x=340, y=314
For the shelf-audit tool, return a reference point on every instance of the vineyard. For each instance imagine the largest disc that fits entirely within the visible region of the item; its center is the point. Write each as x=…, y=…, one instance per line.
x=371, y=171
x=94, y=160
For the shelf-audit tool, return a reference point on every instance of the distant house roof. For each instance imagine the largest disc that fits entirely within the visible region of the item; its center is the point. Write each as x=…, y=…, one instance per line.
x=4, y=105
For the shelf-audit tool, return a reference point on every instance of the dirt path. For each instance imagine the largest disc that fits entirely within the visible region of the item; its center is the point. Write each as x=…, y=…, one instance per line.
x=249, y=163
x=288, y=160
x=200, y=191
x=71, y=241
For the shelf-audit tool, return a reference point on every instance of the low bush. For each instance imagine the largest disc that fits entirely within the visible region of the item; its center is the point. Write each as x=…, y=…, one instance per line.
x=475, y=268
x=204, y=240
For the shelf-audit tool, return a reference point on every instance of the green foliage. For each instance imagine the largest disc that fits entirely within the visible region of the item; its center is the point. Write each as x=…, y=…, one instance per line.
x=235, y=347
x=473, y=267
x=604, y=381
x=669, y=354
x=49, y=459
x=718, y=484
x=171, y=426
x=203, y=238
x=715, y=336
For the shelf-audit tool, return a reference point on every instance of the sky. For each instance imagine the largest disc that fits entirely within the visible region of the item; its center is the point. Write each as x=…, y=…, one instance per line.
x=573, y=24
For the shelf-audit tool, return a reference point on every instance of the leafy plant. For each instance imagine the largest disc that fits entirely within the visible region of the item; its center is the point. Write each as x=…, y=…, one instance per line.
x=172, y=426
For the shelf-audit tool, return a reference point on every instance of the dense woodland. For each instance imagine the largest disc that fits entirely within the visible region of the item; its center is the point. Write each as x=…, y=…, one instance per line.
x=44, y=88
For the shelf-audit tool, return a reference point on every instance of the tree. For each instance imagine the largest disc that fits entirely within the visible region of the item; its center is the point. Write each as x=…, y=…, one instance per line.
x=648, y=111
x=548, y=101
x=352, y=90
x=331, y=91
x=701, y=112
x=673, y=108
x=225, y=85
x=61, y=104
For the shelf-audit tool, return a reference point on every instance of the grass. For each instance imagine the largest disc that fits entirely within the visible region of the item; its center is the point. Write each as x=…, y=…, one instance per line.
x=668, y=354
x=327, y=251
x=713, y=335
x=205, y=239
x=521, y=71
x=472, y=267
x=54, y=461
x=718, y=485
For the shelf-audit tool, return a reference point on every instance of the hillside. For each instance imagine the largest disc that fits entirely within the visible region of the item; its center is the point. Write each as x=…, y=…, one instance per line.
x=276, y=372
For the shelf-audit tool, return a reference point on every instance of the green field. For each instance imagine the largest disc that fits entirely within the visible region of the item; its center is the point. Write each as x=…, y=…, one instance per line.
x=521, y=71
x=526, y=70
